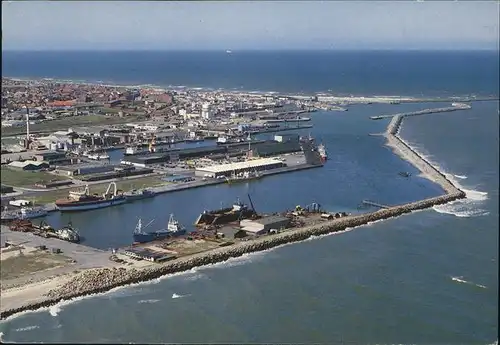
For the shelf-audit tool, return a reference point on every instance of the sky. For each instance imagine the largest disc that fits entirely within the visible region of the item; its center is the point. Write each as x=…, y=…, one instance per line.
x=142, y=25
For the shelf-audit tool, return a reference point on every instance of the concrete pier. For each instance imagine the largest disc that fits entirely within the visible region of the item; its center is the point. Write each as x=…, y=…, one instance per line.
x=102, y=280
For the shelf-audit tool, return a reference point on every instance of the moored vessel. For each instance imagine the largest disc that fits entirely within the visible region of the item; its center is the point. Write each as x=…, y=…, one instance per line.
x=174, y=229
x=139, y=194
x=244, y=176
x=238, y=211
x=322, y=152
x=23, y=213
x=83, y=200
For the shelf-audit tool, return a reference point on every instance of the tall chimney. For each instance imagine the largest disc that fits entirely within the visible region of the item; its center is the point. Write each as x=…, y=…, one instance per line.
x=27, y=123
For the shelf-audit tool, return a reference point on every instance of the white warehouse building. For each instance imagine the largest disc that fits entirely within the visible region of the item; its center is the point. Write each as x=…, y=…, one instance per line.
x=215, y=171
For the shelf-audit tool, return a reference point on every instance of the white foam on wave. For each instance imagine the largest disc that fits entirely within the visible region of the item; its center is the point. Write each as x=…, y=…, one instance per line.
x=1, y=338
x=55, y=310
x=463, y=281
x=27, y=328
x=174, y=296
x=463, y=208
x=148, y=301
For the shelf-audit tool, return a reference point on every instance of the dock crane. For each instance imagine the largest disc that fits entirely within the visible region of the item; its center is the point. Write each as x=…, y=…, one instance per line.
x=251, y=203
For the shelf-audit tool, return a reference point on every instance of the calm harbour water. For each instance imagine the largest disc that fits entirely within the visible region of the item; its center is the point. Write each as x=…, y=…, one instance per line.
x=428, y=277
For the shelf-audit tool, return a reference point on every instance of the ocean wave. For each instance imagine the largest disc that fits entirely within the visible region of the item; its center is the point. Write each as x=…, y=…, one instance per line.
x=197, y=276
x=54, y=310
x=174, y=296
x=27, y=328
x=463, y=281
x=471, y=206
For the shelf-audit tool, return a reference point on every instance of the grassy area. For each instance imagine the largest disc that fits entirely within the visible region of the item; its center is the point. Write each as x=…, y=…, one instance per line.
x=20, y=178
x=126, y=185
x=21, y=265
x=67, y=122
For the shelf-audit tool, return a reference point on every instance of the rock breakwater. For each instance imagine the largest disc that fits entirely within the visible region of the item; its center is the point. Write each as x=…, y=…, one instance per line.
x=101, y=280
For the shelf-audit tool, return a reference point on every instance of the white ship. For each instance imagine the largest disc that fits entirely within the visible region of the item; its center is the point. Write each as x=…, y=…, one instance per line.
x=322, y=152
x=24, y=213
x=244, y=176
x=98, y=156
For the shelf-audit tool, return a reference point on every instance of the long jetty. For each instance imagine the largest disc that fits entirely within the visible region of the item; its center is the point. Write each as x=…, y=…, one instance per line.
x=459, y=106
x=101, y=280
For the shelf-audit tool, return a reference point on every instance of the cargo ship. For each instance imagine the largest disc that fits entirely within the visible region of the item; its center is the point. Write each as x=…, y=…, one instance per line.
x=174, y=229
x=135, y=194
x=238, y=211
x=83, y=200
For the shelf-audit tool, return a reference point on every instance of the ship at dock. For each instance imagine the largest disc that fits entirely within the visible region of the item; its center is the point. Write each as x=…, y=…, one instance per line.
x=237, y=212
x=174, y=229
x=135, y=194
x=322, y=152
x=23, y=213
x=83, y=200
x=243, y=176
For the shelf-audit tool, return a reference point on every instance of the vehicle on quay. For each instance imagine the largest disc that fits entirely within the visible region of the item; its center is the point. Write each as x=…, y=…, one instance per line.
x=83, y=200
x=174, y=229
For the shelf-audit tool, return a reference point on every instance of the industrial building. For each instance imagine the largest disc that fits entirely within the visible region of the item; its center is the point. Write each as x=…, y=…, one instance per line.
x=281, y=145
x=6, y=189
x=52, y=157
x=85, y=169
x=29, y=165
x=148, y=254
x=264, y=225
x=215, y=171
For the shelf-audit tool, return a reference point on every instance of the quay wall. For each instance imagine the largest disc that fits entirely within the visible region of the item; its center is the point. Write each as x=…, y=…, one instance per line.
x=102, y=280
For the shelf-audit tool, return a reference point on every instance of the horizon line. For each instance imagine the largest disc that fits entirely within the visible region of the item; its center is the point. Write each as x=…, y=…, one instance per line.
x=232, y=50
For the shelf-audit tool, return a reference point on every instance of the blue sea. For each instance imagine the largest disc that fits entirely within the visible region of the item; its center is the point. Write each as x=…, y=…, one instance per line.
x=427, y=277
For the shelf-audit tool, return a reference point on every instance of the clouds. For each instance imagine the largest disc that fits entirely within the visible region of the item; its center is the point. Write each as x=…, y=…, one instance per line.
x=248, y=25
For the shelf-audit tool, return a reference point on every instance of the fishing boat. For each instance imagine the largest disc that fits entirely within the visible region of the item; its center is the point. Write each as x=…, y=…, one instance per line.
x=24, y=213
x=83, y=200
x=322, y=152
x=139, y=194
x=174, y=229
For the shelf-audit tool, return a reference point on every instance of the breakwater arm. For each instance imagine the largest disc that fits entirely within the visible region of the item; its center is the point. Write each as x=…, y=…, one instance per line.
x=425, y=111
x=101, y=280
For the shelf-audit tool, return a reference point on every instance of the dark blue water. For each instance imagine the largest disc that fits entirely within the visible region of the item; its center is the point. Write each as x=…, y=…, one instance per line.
x=345, y=72
x=389, y=282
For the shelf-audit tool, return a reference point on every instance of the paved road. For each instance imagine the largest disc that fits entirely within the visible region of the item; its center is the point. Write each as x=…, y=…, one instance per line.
x=86, y=257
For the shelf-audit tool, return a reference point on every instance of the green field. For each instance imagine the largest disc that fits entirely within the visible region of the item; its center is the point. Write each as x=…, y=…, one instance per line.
x=65, y=123
x=19, y=178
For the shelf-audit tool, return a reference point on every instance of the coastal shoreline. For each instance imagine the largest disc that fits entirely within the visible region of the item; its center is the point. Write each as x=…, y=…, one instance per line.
x=95, y=281
x=337, y=97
